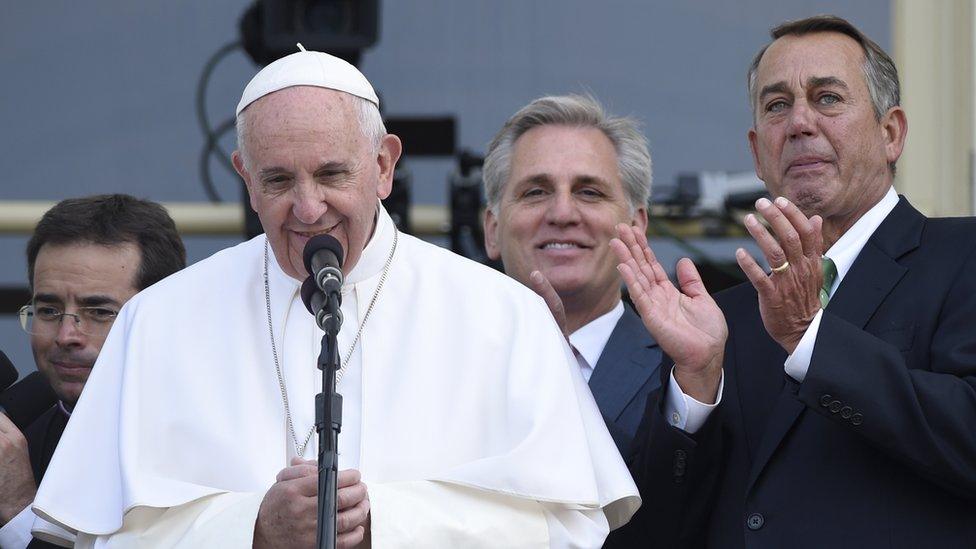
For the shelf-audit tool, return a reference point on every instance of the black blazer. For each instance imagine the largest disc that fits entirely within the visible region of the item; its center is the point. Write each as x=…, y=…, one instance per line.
x=42, y=437
x=877, y=446
x=624, y=375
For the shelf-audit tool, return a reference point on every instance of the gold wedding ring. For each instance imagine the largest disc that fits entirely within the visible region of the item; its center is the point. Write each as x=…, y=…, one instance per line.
x=781, y=268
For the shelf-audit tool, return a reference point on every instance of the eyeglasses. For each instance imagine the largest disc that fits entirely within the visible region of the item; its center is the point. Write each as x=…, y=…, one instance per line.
x=45, y=320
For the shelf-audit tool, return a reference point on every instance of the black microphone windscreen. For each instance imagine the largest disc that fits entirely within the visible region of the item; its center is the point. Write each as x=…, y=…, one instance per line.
x=309, y=289
x=8, y=374
x=318, y=243
x=27, y=399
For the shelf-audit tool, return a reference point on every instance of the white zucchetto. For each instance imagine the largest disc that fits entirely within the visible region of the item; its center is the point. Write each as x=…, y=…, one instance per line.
x=308, y=68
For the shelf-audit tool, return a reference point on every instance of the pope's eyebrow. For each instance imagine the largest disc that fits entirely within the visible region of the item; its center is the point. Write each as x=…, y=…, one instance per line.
x=332, y=168
x=268, y=172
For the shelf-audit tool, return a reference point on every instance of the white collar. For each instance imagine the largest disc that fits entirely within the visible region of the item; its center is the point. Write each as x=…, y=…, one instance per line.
x=284, y=288
x=850, y=244
x=590, y=339
x=377, y=250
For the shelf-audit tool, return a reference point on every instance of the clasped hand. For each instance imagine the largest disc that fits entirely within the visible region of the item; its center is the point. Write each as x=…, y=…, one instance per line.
x=289, y=512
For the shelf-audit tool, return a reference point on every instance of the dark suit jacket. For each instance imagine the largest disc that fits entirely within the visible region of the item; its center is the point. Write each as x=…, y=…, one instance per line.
x=42, y=439
x=877, y=446
x=623, y=377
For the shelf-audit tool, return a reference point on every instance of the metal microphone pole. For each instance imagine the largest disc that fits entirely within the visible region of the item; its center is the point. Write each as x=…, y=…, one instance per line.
x=328, y=417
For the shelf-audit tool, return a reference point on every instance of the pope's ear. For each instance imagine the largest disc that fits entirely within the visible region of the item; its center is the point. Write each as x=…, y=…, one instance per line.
x=241, y=170
x=386, y=158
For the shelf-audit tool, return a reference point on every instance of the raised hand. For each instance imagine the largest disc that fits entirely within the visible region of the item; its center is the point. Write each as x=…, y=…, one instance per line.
x=789, y=296
x=686, y=323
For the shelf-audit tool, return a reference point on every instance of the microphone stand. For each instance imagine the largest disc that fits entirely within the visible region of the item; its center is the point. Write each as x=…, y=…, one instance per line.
x=328, y=415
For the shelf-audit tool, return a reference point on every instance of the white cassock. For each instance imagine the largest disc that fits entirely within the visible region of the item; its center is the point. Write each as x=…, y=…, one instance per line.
x=462, y=407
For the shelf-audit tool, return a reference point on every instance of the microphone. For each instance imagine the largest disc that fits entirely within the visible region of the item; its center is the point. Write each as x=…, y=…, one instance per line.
x=8, y=374
x=27, y=400
x=315, y=301
x=323, y=260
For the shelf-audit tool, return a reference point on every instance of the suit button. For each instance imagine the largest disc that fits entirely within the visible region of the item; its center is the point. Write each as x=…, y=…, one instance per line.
x=857, y=419
x=825, y=400
x=755, y=521
x=846, y=412
x=834, y=407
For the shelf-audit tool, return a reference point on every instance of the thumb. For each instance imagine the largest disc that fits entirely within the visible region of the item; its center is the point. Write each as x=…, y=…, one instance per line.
x=540, y=284
x=689, y=280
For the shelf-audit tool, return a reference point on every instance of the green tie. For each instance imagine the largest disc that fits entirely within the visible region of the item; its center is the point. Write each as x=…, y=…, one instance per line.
x=829, y=274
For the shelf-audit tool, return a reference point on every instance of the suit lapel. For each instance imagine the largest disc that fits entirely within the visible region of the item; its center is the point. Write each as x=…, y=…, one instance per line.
x=876, y=270
x=624, y=366
x=871, y=278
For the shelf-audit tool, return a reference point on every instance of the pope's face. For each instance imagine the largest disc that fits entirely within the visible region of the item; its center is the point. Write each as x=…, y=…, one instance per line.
x=558, y=211
x=816, y=139
x=310, y=170
x=67, y=277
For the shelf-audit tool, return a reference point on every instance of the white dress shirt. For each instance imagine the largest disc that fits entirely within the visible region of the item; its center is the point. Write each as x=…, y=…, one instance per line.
x=688, y=414
x=591, y=338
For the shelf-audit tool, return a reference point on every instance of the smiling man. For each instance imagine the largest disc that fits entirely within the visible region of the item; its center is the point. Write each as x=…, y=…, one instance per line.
x=462, y=424
x=559, y=176
x=86, y=258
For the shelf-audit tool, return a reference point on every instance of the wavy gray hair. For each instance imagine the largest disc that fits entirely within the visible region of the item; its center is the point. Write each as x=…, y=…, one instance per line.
x=633, y=157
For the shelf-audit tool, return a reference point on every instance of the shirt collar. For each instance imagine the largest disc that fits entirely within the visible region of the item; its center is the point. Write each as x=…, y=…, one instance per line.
x=590, y=339
x=850, y=244
x=377, y=250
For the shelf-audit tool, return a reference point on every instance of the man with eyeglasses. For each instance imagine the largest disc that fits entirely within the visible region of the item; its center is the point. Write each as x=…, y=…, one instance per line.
x=87, y=257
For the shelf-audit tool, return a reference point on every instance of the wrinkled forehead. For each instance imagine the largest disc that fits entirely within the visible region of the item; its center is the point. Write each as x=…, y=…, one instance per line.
x=298, y=104
x=797, y=59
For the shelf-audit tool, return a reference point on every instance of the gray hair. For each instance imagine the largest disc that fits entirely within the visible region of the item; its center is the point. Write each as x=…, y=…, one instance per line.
x=880, y=72
x=370, y=122
x=633, y=157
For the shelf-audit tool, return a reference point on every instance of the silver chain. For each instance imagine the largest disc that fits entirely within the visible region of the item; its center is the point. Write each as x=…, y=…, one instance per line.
x=300, y=448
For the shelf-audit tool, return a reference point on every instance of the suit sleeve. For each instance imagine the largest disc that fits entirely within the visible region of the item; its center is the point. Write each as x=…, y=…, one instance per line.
x=921, y=413
x=677, y=475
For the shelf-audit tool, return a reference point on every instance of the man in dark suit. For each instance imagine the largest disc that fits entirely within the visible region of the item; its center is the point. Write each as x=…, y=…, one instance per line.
x=86, y=258
x=559, y=176
x=838, y=408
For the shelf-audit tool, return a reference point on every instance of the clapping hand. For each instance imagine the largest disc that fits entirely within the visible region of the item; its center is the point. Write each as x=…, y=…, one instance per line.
x=789, y=296
x=686, y=322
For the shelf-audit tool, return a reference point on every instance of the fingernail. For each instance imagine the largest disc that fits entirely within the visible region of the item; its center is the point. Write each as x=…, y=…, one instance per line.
x=750, y=219
x=762, y=203
x=782, y=202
